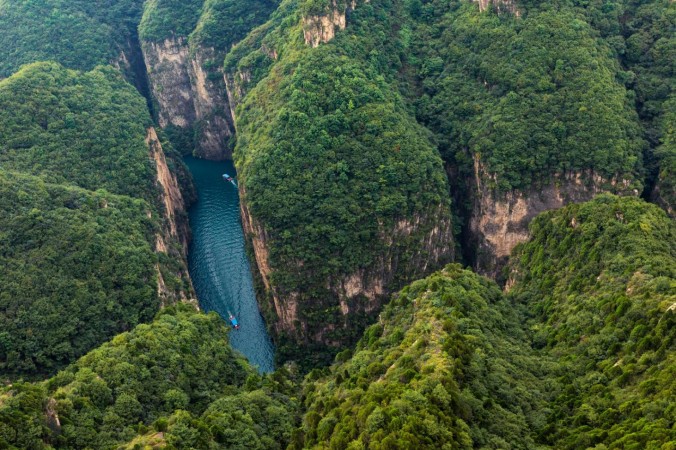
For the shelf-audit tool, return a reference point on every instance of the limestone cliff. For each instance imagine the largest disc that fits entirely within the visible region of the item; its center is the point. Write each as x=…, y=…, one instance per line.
x=190, y=97
x=168, y=65
x=501, y=6
x=320, y=29
x=174, y=237
x=214, y=126
x=499, y=221
x=411, y=248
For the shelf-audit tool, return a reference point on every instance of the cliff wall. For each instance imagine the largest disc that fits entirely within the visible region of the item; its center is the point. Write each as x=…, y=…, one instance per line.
x=499, y=221
x=190, y=97
x=174, y=236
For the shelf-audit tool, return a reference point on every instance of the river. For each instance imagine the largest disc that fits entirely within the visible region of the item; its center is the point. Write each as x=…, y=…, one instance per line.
x=218, y=263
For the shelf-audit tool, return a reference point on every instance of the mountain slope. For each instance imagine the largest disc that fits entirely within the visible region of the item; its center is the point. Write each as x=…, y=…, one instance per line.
x=92, y=231
x=179, y=364
x=446, y=366
x=600, y=280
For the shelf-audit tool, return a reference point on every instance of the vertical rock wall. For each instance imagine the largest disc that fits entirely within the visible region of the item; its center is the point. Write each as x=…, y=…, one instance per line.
x=499, y=221
x=189, y=96
x=175, y=227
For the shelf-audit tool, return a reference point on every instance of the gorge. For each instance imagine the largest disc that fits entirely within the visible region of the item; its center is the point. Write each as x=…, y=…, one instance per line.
x=453, y=225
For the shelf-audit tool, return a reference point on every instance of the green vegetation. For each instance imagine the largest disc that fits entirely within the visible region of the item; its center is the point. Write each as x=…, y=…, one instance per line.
x=180, y=364
x=249, y=420
x=579, y=354
x=79, y=214
x=666, y=180
x=330, y=160
x=163, y=19
x=449, y=365
x=526, y=97
x=223, y=23
x=341, y=152
x=84, y=129
x=600, y=279
x=446, y=367
x=76, y=269
x=79, y=34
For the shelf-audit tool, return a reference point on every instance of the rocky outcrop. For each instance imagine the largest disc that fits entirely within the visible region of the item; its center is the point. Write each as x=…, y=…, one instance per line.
x=501, y=6
x=174, y=236
x=429, y=238
x=321, y=29
x=286, y=310
x=215, y=124
x=412, y=248
x=235, y=88
x=189, y=96
x=499, y=221
x=172, y=199
x=167, y=64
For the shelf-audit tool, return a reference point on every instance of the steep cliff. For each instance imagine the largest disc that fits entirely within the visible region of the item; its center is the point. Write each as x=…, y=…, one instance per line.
x=499, y=220
x=188, y=96
x=184, y=58
x=529, y=115
x=322, y=28
x=343, y=196
x=168, y=66
x=173, y=238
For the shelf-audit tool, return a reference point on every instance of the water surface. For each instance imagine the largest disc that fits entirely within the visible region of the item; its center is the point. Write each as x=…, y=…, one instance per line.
x=219, y=267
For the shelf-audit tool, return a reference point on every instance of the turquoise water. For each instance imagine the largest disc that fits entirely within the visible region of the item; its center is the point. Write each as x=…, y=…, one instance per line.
x=219, y=266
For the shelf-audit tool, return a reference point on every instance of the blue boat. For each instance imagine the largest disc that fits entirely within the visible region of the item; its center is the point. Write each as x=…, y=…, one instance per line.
x=227, y=177
x=233, y=321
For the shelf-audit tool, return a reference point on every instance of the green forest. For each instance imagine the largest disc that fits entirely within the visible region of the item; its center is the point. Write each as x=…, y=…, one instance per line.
x=376, y=144
x=79, y=214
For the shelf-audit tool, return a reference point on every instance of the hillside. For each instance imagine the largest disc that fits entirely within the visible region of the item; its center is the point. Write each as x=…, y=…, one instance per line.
x=179, y=364
x=457, y=217
x=599, y=281
x=82, y=213
x=579, y=354
x=446, y=366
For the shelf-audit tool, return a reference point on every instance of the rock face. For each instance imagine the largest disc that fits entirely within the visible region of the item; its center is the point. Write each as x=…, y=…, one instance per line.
x=172, y=199
x=363, y=292
x=321, y=29
x=188, y=96
x=501, y=6
x=499, y=221
x=175, y=227
x=168, y=65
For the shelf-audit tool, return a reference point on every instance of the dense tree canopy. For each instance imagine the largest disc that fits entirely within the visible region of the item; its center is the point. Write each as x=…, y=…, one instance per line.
x=339, y=148
x=85, y=129
x=79, y=216
x=76, y=269
x=180, y=364
x=80, y=34
x=599, y=278
x=526, y=97
x=163, y=19
x=446, y=367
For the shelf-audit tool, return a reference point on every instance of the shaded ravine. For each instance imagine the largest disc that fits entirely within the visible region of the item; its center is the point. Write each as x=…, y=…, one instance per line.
x=219, y=266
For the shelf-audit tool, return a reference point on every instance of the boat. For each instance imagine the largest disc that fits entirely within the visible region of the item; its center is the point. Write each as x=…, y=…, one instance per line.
x=233, y=321
x=227, y=177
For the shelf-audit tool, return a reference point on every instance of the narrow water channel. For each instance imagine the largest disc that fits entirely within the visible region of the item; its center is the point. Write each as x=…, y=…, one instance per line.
x=219, y=266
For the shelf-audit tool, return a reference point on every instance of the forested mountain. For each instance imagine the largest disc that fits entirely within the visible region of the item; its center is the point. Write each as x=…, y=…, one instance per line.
x=81, y=215
x=180, y=362
x=598, y=281
x=459, y=216
x=591, y=365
